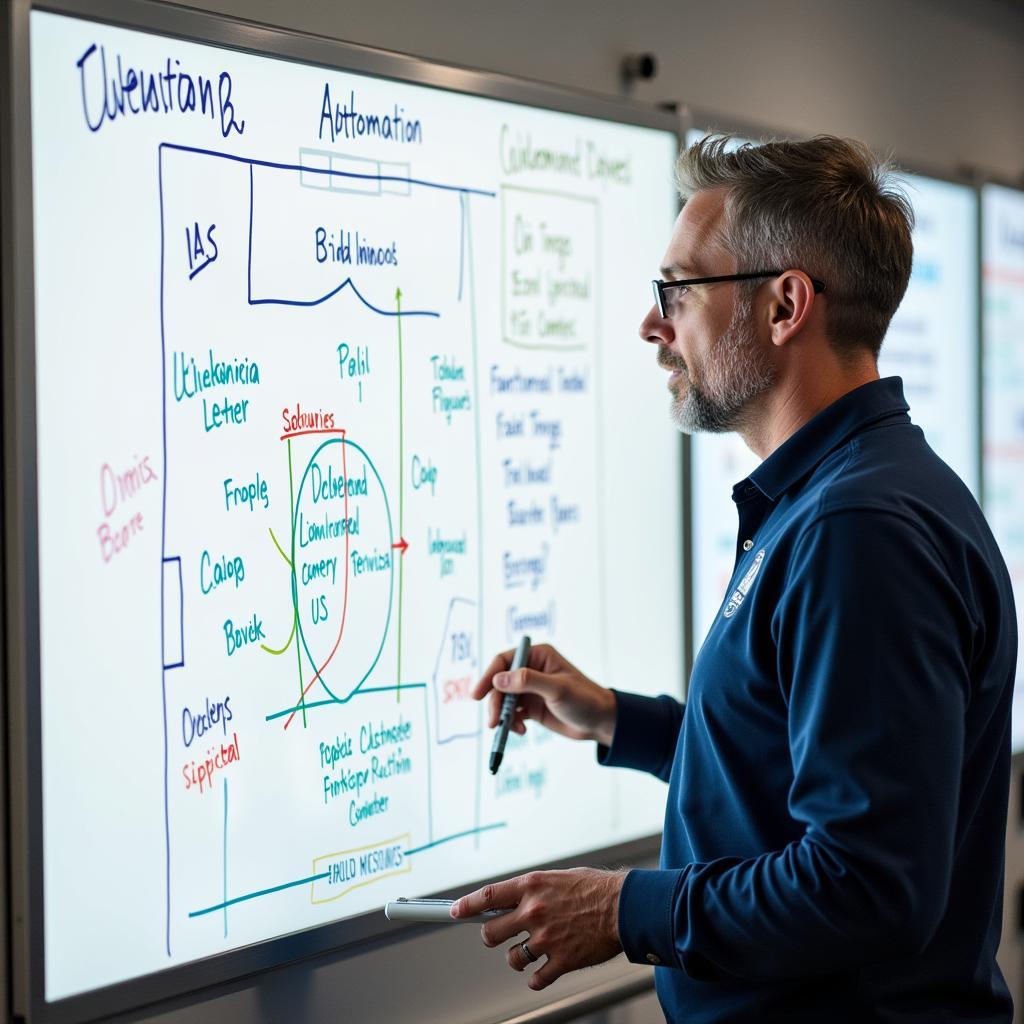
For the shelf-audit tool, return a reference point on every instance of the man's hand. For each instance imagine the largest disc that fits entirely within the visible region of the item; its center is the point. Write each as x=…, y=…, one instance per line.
x=570, y=917
x=551, y=691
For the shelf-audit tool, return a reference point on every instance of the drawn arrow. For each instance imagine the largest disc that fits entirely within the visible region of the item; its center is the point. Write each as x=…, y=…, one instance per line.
x=402, y=545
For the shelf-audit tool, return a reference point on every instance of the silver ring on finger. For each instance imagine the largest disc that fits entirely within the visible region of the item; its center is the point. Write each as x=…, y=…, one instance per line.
x=531, y=957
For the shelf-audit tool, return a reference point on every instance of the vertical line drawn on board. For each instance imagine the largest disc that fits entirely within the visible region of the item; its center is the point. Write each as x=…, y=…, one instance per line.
x=430, y=772
x=401, y=490
x=173, y=633
x=477, y=775
x=252, y=203
x=280, y=551
x=163, y=555
x=291, y=534
x=225, y=858
x=602, y=520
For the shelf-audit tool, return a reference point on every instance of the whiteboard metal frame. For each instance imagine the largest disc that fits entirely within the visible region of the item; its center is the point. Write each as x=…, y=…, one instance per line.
x=21, y=726
x=7, y=324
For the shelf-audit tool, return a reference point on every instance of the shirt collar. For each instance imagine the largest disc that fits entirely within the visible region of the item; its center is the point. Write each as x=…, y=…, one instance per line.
x=826, y=431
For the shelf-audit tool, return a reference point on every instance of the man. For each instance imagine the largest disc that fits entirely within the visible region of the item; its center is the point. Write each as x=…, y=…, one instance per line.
x=833, y=843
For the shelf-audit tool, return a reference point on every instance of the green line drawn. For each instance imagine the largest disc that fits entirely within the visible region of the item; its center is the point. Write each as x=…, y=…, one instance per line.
x=291, y=637
x=280, y=549
x=302, y=687
x=295, y=585
x=290, y=562
x=430, y=769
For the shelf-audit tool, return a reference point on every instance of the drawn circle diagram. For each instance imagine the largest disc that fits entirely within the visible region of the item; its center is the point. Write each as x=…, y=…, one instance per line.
x=343, y=568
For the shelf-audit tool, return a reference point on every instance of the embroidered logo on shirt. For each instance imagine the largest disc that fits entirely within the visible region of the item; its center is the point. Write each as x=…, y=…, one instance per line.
x=746, y=583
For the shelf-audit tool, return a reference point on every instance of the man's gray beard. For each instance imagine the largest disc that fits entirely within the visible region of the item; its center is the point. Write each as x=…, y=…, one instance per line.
x=737, y=371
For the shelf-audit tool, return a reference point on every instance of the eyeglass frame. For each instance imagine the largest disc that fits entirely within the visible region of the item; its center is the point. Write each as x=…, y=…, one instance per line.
x=661, y=286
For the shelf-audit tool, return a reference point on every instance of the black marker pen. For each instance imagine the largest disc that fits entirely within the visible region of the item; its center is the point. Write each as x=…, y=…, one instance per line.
x=508, y=707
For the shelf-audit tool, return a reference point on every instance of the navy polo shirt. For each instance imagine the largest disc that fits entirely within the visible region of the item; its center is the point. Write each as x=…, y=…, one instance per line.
x=838, y=778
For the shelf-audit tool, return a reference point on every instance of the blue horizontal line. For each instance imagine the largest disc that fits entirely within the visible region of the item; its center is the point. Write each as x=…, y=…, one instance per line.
x=347, y=283
x=344, y=700
x=261, y=892
x=458, y=835
x=274, y=165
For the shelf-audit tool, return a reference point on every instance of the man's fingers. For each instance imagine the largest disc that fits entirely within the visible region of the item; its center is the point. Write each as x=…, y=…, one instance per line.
x=495, y=896
x=494, y=709
x=517, y=959
x=495, y=932
x=551, y=971
x=527, y=707
x=526, y=680
x=500, y=664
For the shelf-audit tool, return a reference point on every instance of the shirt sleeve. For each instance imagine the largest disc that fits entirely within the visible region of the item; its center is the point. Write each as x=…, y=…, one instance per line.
x=873, y=645
x=646, y=733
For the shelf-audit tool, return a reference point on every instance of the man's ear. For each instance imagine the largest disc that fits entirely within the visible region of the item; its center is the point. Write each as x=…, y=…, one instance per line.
x=791, y=299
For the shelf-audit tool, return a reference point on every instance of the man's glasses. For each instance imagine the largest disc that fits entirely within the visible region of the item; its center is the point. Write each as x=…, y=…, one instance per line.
x=666, y=305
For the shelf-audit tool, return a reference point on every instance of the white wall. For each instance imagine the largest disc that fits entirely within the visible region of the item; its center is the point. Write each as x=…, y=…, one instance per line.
x=939, y=82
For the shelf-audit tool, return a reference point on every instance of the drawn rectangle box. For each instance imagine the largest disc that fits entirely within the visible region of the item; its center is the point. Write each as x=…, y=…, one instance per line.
x=549, y=268
x=352, y=869
x=456, y=719
x=317, y=160
x=396, y=170
x=355, y=174
x=173, y=626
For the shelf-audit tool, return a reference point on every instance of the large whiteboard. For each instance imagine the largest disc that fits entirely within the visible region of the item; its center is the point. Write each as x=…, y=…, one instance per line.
x=339, y=391
x=933, y=339
x=1003, y=291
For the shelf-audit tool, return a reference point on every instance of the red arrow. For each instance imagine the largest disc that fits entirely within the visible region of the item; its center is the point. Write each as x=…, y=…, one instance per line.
x=401, y=545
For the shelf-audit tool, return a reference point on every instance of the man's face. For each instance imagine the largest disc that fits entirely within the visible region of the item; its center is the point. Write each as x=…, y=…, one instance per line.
x=718, y=359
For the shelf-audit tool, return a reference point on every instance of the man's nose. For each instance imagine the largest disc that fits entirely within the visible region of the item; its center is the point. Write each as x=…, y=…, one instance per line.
x=655, y=328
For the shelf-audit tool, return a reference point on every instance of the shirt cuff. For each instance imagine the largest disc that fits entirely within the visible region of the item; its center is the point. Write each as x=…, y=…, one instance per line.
x=647, y=916
x=646, y=732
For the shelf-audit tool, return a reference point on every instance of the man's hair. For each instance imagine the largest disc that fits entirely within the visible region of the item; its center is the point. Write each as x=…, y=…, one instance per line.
x=827, y=207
